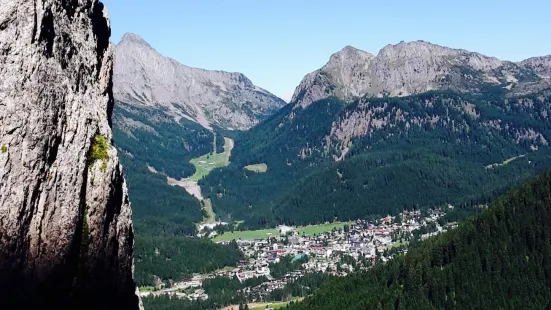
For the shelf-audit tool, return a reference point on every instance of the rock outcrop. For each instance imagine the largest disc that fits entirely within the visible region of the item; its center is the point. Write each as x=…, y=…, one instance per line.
x=540, y=65
x=411, y=68
x=66, y=238
x=145, y=78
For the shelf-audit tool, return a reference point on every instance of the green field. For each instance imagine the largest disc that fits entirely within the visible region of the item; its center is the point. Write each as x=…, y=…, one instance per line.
x=248, y=235
x=398, y=244
x=321, y=228
x=258, y=168
x=275, y=305
x=274, y=232
x=206, y=163
x=506, y=162
x=271, y=306
x=146, y=288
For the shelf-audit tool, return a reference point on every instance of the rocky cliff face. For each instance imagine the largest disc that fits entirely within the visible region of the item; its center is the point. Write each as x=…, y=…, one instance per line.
x=66, y=238
x=540, y=65
x=143, y=77
x=415, y=67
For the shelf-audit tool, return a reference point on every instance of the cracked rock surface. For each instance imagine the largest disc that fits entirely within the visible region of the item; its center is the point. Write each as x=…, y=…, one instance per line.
x=66, y=236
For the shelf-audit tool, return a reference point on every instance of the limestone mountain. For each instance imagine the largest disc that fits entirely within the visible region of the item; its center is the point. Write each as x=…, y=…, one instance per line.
x=410, y=68
x=66, y=236
x=145, y=78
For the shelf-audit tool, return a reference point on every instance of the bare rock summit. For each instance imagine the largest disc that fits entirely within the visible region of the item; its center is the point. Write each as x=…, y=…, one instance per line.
x=145, y=78
x=409, y=68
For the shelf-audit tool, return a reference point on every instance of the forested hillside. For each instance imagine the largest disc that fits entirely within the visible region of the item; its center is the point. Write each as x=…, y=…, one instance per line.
x=333, y=160
x=152, y=147
x=500, y=259
x=177, y=258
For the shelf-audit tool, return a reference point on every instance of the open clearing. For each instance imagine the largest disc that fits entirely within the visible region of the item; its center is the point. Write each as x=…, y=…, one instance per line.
x=203, y=166
x=321, y=228
x=277, y=305
x=274, y=232
x=206, y=163
x=504, y=162
x=262, y=306
x=248, y=235
x=258, y=168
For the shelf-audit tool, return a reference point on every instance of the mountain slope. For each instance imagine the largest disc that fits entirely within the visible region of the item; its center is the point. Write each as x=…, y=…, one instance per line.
x=411, y=68
x=145, y=78
x=375, y=156
x=66, y=233
x=498, y=260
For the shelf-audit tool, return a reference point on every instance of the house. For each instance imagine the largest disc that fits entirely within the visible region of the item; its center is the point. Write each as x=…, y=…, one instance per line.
x=283, y=230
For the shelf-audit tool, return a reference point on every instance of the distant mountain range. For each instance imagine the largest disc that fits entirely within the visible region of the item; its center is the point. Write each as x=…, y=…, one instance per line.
x=144, y=78
x=410, y=68
x=418, y=125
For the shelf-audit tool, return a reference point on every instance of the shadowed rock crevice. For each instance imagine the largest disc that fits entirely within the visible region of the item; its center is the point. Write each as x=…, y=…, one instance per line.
x=70, y=7
x=47, y=33
x=102, y=31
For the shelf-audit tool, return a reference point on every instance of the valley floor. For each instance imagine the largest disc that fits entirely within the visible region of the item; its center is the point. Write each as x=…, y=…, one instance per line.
x=261, y=306
x=275, y=232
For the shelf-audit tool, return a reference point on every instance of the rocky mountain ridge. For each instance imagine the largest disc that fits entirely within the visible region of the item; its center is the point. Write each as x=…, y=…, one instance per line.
x=409, y=68
x=66, y=235
x=145, y=78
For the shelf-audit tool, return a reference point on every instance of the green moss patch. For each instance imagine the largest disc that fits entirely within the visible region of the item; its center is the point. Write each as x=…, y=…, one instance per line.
x=100, y=146
x=4, y=149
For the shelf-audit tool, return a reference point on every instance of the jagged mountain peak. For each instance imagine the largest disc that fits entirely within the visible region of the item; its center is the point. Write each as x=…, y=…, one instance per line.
x=349, y=51
x=408, y=68
x=130, y=37
x=348, y=55
x=343, y=67
x=430, y=52
x=142, y=76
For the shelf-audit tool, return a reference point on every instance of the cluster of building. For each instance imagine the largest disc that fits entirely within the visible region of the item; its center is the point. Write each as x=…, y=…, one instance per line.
x=356, y=246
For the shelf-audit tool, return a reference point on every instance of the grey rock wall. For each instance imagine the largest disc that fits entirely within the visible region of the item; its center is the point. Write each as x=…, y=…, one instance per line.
x=66, y=238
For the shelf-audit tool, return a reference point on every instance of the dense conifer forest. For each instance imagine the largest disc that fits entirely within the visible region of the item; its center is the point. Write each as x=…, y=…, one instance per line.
x=177, y=258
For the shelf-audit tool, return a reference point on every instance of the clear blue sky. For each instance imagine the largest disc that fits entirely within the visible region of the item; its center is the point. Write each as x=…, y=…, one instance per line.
x=275, y=43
